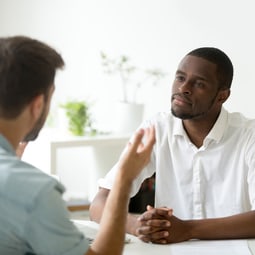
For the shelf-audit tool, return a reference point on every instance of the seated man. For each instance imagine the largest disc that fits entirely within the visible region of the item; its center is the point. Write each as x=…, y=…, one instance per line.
x=204, y=160
x=34, y=218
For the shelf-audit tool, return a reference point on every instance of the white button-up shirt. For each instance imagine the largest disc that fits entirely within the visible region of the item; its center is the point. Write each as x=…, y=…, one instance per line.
x=215, y=180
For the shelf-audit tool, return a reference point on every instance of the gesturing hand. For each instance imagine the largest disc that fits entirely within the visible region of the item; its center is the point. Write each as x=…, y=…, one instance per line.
x=137, y=155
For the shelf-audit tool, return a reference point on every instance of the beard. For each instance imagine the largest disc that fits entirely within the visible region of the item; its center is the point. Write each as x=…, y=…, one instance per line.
x=33, y=134
x=188, y=116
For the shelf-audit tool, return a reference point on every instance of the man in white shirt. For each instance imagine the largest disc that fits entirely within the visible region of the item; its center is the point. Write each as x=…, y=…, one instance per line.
x=204, y=160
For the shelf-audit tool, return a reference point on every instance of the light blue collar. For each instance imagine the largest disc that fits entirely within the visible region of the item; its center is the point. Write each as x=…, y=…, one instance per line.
x=5, y=145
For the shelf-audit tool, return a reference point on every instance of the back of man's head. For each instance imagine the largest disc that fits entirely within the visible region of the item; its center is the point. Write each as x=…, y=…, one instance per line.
x=27, y=69
x=224, y=65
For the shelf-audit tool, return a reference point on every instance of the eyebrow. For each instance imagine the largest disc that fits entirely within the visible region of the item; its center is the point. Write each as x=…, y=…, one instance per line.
x=197, y=76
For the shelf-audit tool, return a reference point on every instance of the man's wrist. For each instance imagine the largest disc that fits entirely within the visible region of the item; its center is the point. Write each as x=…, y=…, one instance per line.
x=191, y=229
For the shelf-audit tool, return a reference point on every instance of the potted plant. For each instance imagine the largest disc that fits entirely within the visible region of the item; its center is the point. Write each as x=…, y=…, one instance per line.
x=79, y=118
x=132, y=79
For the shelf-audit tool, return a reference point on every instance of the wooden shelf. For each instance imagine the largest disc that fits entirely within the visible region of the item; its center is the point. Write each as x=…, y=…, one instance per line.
x=73, y=208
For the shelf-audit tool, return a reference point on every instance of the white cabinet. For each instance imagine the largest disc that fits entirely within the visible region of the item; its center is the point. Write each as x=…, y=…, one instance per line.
x=78, y=161
x=81, y=161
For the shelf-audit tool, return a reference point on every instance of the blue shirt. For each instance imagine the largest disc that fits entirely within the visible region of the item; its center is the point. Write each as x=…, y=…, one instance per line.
x=33, y=215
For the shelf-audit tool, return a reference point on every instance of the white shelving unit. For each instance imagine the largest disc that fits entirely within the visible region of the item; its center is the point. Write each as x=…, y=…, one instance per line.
x=81, y=161
x=77, y=161
x=106, y=148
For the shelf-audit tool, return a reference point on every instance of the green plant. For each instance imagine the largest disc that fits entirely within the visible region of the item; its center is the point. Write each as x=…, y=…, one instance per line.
x=132, y=78
x=79, y=118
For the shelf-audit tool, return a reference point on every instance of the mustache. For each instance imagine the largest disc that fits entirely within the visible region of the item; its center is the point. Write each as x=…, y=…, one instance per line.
x=183, y=97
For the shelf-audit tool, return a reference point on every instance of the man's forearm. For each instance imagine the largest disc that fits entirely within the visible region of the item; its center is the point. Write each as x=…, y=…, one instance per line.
x=132, y=223
x=113, y=220
x=97, y=207
x=233, y=227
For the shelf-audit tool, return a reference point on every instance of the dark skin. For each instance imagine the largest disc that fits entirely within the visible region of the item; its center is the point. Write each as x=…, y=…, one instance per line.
x=233, y=227
x=197, y=99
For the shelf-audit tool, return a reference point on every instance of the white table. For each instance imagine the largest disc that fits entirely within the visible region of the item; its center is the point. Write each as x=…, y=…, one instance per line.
x=196, y=247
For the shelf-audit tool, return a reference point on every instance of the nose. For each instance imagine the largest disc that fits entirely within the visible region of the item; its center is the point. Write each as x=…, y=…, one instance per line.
x=185, y=88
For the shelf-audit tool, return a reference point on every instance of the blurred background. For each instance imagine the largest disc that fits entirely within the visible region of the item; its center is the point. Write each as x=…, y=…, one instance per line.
x=151, y=34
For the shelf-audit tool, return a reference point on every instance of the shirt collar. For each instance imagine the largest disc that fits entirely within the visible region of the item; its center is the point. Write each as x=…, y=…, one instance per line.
x=178, y=129
x=216, y=132
x=4, y=144
x=219, y=127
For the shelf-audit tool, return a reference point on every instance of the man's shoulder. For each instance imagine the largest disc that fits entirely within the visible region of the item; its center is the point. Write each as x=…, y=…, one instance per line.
x=240, y=120
x=23, y=183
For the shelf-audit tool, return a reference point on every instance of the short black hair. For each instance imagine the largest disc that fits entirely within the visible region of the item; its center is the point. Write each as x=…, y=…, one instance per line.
x=224, y=65
x=27, y=69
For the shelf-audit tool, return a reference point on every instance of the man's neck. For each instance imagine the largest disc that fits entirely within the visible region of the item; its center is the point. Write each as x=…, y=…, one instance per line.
x=10, y=130
x=197, y=130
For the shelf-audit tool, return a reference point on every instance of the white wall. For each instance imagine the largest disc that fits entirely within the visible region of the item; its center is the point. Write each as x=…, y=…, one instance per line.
x=153, y=33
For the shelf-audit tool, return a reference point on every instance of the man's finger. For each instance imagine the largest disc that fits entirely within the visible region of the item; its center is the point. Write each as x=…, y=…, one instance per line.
x=150, y=134
x=137, y=140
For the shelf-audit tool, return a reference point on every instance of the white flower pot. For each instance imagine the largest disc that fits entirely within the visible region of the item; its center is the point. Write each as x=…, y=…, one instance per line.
x=128, y=116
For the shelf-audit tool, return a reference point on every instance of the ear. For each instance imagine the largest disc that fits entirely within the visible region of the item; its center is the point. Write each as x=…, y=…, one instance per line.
x=223, y=95
x=37, y=106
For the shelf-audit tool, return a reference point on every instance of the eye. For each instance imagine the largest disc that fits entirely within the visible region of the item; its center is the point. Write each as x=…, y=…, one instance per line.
x=199, y=84
x=179, y=78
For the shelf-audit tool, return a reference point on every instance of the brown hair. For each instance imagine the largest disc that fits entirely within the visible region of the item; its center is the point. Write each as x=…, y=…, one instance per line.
x=27, y=69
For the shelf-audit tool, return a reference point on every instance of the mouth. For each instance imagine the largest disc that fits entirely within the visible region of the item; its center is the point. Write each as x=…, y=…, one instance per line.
x=180, y=100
